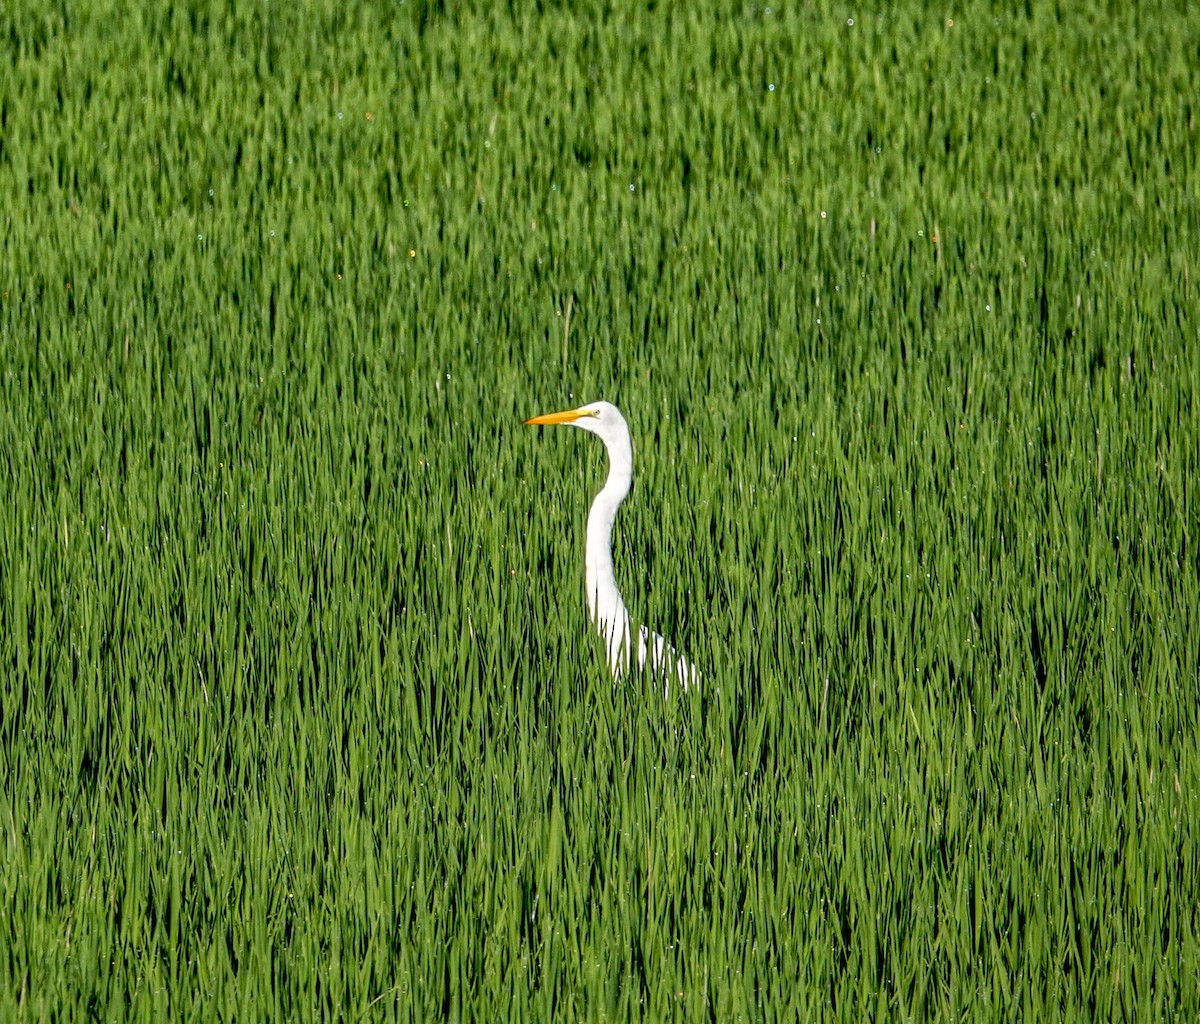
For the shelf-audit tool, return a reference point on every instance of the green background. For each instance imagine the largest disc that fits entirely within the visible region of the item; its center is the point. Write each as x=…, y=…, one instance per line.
x=300, y=713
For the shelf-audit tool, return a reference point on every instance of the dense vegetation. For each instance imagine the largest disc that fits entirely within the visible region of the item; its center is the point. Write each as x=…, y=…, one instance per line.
x=300, y=715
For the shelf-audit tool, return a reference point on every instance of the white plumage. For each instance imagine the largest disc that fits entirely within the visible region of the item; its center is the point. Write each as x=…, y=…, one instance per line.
x=607, y=609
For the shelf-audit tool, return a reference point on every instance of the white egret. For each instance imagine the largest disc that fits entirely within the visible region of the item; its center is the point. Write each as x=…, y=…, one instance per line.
x=607, y=609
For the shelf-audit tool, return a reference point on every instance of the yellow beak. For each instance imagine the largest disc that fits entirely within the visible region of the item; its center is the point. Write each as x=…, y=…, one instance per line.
x=570, y=416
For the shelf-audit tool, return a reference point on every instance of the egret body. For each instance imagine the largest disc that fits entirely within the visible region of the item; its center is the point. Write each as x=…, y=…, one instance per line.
x=605, y=605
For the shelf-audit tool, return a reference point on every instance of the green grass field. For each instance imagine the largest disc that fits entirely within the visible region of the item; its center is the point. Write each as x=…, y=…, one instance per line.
x=300, y=713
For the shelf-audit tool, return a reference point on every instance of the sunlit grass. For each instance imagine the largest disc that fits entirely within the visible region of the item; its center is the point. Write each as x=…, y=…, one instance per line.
x=300, y=715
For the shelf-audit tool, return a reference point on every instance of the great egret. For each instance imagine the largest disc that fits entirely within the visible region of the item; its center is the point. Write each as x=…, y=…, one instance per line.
x=607, y=609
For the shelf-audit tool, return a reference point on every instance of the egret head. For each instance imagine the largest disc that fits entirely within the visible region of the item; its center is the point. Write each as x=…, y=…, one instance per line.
x=601, y=418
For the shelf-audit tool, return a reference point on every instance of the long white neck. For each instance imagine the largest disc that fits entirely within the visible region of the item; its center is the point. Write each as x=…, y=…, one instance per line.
x=604, y=599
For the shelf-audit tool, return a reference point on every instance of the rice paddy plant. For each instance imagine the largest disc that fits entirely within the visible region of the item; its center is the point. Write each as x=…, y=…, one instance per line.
x=300, y=713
